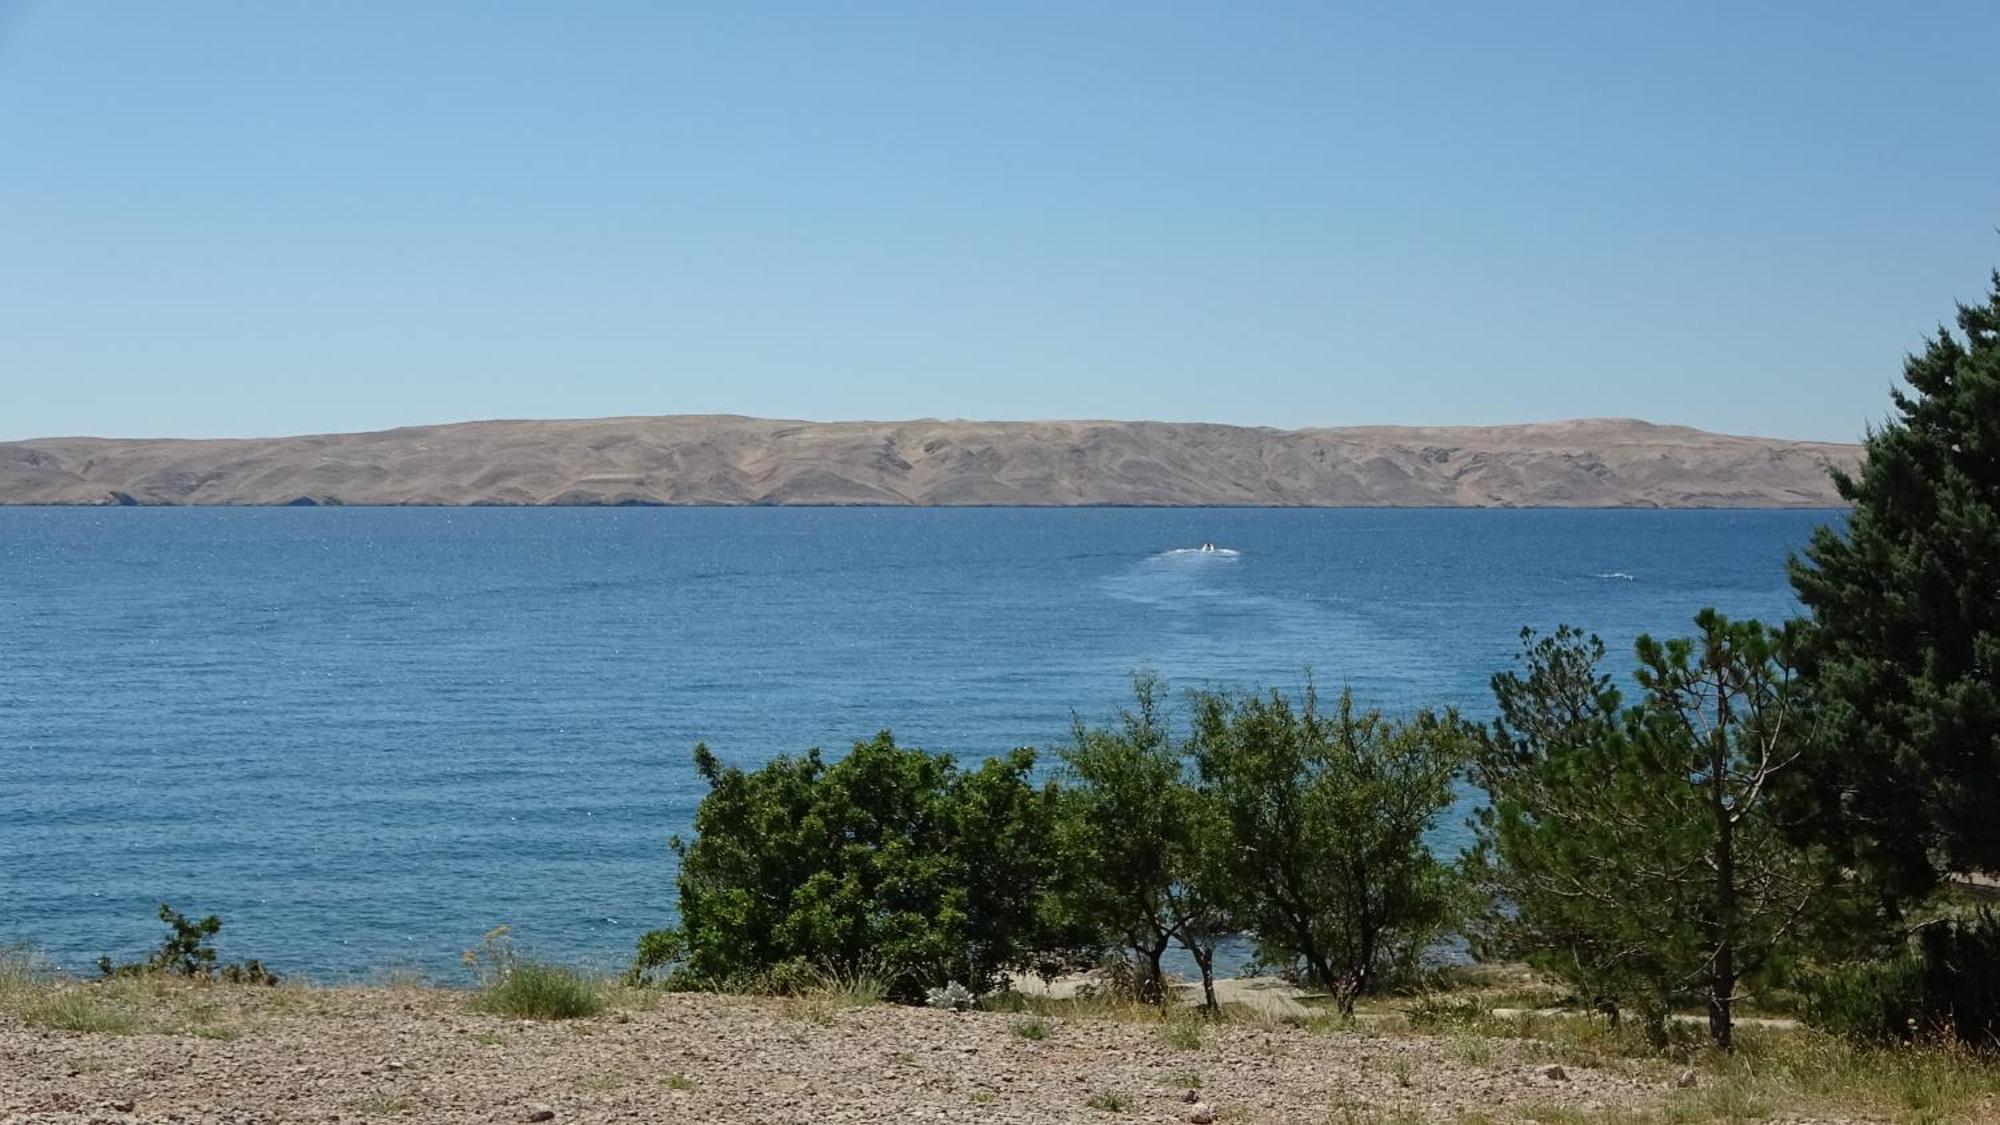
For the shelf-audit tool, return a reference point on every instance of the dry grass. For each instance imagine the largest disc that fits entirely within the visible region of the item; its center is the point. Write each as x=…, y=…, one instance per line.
x=1798, y=1072
x=145, y=1004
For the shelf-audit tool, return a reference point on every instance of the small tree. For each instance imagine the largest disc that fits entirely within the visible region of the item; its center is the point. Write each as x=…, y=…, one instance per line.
x=1144, y=842
x=890, y=861
x=1636, y=851
x=186, y=952
x=1904, y=641
x=1326, y=816
x=1540, y=765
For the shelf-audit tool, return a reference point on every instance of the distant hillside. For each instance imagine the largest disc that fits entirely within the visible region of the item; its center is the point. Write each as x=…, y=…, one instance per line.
x=731, y=460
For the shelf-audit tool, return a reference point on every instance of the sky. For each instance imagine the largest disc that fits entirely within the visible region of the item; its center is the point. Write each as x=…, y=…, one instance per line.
x=271, y=217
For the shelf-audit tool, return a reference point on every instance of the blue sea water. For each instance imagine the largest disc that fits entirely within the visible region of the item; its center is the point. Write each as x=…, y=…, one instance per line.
x=364, y=736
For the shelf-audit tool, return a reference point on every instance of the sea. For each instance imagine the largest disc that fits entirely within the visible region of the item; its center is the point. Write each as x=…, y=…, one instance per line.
x=366, y=736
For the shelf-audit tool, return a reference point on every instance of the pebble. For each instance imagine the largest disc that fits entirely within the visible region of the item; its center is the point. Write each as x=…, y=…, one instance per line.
x=541, y=1113
x=1686, y=1081
x=1200, y=1114
x=1555, y=1073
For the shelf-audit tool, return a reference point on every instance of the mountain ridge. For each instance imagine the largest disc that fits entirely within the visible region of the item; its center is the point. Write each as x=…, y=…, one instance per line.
x=739, y=460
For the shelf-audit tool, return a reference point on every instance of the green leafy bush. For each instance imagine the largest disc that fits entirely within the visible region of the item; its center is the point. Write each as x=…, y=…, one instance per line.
x=1946, y=984
x=890, y=861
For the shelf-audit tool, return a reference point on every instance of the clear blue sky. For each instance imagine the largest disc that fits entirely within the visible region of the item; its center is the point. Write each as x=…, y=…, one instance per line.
x=282, y=217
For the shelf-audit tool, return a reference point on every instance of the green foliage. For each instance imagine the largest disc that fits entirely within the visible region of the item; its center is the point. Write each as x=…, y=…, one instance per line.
x=1149, y=847
x=890, y=860
x=1904, y=642
x=187, y=951
x=511, y=985
x=1945, y=984
x=1326, y=817
x=1633, y=853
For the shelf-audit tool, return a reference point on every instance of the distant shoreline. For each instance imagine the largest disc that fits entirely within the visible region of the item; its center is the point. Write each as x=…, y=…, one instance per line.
x=724, y=461
x=85, y=505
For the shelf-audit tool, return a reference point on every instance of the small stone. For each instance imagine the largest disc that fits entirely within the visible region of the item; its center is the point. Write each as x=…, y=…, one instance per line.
x=541, y=1113
x=1200, y=1114
x=1190, y=1097
x=395, y=1066
x=1686, y=1081
x=124, y=1106
x=1555, y=1073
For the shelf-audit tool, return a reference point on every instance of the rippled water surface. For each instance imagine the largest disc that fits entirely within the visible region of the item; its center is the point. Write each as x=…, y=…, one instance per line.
x=364, y=736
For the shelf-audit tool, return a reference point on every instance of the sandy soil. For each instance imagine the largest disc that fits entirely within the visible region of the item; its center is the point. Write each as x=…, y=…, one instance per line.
x=730, y=460
x=351, y=1055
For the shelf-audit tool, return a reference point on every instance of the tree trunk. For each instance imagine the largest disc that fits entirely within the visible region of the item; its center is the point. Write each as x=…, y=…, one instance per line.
x=1205, y=958
x=1722, y=974
x=1154, y=989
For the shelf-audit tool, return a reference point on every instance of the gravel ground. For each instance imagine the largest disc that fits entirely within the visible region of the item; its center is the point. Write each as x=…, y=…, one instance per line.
x=351, y=1054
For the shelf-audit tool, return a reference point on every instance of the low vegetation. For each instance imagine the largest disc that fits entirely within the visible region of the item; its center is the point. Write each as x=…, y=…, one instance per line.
x=512, y=985
x=188, y=951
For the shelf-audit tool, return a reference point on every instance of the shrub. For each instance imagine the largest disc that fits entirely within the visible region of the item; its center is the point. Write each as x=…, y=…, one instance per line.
x=891, y=860
x=187, y=951
x=1946, y=984
x=953, y=997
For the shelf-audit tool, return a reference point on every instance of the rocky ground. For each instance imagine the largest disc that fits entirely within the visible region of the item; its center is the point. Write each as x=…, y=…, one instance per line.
x=348, y=1055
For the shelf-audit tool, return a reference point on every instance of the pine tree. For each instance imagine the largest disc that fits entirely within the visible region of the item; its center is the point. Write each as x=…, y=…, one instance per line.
x=1632, y=852
x=1904, y=639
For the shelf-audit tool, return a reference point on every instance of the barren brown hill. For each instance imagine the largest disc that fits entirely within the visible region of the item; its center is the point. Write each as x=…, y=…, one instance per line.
x=732, y=460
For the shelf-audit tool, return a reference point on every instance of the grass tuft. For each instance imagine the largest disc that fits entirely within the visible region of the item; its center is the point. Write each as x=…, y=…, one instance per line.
x=1108, y=1102
x=537, y=991
x=1030, y=1029
x=1182, y=1034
